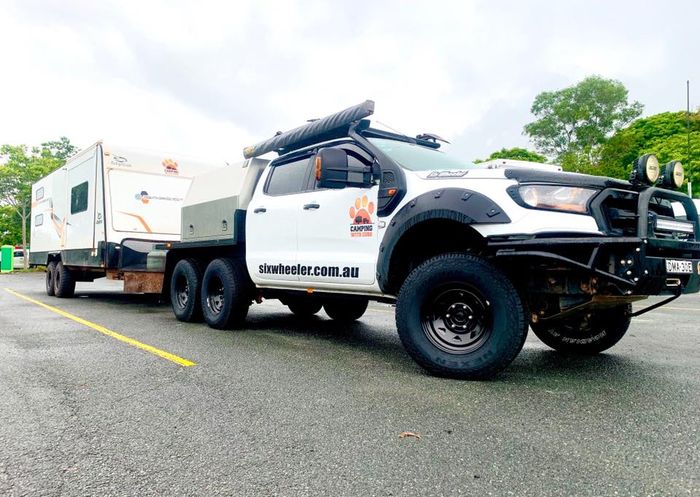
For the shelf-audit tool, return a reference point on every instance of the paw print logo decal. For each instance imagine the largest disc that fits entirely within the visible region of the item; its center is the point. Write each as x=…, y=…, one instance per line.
x=170, y=166
x=361, y=215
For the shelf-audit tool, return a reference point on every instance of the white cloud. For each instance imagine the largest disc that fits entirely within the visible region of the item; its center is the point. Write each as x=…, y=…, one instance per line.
x=207, y=78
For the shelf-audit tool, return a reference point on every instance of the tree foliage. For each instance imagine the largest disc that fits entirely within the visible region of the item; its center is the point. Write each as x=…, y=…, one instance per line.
x=10, y=226
x=516, y=153
x=580, y=118
x=19, y=170
x=665, y=135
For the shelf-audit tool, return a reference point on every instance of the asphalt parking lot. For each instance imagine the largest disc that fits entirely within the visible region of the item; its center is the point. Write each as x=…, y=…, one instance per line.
x=289, y=407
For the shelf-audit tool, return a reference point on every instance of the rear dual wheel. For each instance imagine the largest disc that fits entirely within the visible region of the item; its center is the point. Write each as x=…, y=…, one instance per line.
x=345, y=310
x=303, y=307
x=226, y=294
x=185, y=290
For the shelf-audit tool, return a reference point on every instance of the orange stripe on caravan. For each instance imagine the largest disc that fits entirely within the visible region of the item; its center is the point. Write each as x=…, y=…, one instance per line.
x=141, y=220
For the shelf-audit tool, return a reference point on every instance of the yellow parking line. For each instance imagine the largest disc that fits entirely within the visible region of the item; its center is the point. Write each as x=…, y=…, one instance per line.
x=105, y=331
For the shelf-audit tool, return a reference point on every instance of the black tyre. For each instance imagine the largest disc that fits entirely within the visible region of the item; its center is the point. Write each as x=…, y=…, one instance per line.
x=186, y=290
x=303, y=307
x=587, y=333
x=63, y=282
x=345, y=309
x=459, y=316
x=50, y=275
x=226, y=293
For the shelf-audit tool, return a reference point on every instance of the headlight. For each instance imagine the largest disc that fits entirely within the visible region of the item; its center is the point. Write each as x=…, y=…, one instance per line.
x=646, y=170
x=561, y=198
x=673, y=175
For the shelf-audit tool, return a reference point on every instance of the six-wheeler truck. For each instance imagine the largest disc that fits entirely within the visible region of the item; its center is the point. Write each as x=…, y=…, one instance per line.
x=470, y=254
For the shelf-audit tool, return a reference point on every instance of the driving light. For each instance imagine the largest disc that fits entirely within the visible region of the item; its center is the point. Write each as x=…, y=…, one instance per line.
x=670, y=225
x=673, y=175
x=554, y=197
x=645, y=170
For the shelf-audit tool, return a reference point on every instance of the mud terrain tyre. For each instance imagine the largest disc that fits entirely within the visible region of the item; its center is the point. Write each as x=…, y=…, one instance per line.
x=459, y=316
x=588, y=333
x=346, y=310
x=226, y=293
x=186, y=290
x=303, y=307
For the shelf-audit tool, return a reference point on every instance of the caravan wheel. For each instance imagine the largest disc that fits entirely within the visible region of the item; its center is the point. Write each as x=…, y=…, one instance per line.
x=50, y=275
x=63, y=282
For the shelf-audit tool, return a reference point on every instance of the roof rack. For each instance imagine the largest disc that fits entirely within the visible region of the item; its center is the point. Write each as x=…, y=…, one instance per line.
x=334, y=126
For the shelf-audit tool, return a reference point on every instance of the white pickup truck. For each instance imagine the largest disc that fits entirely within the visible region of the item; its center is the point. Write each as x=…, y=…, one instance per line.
x=471, y=255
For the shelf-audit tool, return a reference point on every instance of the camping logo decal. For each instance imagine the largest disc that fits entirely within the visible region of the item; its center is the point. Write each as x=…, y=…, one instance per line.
x=170, y=167
x=361, y=215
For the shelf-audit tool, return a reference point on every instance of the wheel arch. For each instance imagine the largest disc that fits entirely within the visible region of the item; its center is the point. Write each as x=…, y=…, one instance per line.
x=417, y=231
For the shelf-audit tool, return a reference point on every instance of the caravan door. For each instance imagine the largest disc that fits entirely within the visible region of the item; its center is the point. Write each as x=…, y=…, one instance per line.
x=79, y=235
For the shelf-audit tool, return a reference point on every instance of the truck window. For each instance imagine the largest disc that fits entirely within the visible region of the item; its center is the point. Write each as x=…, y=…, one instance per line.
x=288, y=178
x=416, y=158
x=79, y=198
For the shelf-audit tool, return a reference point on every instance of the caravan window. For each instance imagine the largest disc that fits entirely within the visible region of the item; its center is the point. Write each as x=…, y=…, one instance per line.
x=79, y=198
x=39, y=220
x=40, y=193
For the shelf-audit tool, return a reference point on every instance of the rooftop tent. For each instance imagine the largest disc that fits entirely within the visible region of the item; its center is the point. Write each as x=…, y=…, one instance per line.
x=333, y=126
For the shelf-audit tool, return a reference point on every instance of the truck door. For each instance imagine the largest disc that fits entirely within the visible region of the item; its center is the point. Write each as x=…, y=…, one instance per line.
x=337, y=233
x=271, y=222
x=80, y=214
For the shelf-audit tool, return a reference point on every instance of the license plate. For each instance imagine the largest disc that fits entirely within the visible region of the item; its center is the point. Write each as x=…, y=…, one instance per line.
x=674, y=266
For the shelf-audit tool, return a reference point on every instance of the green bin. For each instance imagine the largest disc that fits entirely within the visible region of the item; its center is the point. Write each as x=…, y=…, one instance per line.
x=7, y=254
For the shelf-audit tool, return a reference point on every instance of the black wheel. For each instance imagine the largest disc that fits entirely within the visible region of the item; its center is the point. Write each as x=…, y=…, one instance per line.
x=303, y=307
x=345, y=309
x=459, y=316
x=63, y=282
x=185, y=290
x=587, y=333
x=50, y=275
x=226, y=293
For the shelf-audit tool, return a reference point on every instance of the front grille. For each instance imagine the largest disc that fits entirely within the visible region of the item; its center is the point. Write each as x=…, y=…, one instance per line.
x=618, y=212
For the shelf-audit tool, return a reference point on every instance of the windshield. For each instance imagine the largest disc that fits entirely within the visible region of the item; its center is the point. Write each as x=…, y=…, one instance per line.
x=417, y=158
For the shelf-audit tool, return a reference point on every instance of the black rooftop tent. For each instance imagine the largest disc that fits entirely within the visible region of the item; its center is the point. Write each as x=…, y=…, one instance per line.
x=333, y=126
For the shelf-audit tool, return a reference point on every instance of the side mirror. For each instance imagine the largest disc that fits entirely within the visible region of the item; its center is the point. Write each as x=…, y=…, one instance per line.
x=333, y=170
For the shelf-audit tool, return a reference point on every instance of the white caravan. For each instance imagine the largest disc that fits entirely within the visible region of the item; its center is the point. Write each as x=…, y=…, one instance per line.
x=104, y=211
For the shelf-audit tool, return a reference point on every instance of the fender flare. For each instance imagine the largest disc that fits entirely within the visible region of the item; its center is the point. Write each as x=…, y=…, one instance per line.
x=454, y=204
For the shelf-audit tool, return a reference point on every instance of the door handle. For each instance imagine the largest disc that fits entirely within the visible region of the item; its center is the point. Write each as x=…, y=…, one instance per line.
x=259, y=210
x=313, y=205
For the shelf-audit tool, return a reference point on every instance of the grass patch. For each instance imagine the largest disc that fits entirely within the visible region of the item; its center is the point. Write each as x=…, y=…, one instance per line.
x=36, y=269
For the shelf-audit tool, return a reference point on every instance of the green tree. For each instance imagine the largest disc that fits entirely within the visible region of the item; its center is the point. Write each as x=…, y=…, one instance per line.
x=580, y=118
x=61, y=149
x=516, y=153
x=20, y=169
x=10, y=226
x=665, y=135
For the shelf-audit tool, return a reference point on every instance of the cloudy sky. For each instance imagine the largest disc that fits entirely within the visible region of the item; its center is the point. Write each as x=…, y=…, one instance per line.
x=208, y=78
